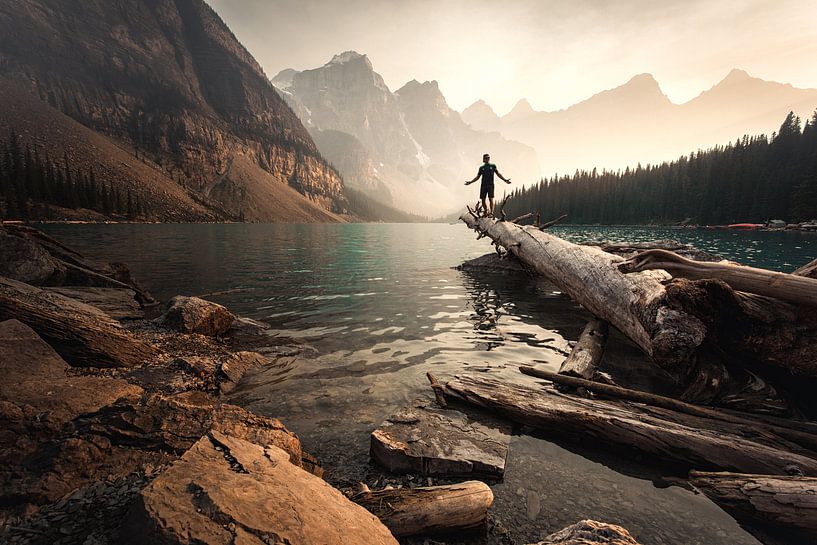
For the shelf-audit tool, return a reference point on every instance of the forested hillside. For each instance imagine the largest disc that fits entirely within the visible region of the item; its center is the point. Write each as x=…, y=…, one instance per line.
x=753, y=179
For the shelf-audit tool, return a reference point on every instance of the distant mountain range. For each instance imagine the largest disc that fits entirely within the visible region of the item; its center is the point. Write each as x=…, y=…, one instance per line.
x=637, y=123
x=160, y=100
x=406, y=148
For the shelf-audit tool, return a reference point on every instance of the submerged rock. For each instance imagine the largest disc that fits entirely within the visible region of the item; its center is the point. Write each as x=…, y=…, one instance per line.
x=492, y=263
x=236, y=365
x=590, y=532
x=194, y=315
x=427, y=440
x=226, y=490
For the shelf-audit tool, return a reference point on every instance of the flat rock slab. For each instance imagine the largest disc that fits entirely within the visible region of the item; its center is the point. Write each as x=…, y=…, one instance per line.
x=118, y=303
x=36, y=377
x=227, y=491
x=427, y=440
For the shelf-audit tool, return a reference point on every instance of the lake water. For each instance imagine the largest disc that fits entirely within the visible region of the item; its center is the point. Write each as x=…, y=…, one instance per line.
x=380, y=305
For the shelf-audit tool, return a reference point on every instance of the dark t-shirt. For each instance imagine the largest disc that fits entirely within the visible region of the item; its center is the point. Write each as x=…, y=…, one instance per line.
x=487, y=172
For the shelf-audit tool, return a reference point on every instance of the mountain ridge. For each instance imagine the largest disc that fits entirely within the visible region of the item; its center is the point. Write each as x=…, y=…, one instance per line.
x=637, y=123
x=168, y=80
x=414, y=150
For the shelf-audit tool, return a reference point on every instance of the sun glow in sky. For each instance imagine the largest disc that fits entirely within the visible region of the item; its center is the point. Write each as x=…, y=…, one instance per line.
x=552, y=52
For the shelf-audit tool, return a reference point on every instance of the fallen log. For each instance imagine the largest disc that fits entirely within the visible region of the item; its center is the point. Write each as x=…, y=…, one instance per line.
x=790, y=430
x=703, y=333
x=432, y=509
x=587, y=353
x=83, y=335
x=668, y=436
x=792, y=288
x=633, y=303
x=786, y=503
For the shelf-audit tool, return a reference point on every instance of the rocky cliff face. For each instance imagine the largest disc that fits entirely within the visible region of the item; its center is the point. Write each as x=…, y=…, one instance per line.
x=168, y=80
x=414, y=145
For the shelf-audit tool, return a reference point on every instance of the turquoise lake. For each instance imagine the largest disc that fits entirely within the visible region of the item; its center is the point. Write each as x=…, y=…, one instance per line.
x=379, y=305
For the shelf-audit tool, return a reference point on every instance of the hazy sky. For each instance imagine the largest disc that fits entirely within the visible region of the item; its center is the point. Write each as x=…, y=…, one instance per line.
x=552, y=52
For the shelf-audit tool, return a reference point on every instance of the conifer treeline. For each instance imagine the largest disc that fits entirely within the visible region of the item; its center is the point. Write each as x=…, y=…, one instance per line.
x=753, y=180
x=31, y=184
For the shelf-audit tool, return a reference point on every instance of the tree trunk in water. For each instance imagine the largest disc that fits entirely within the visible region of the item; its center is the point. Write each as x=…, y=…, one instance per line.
x=83, y=335
x=791, y=288
x=412, y=511
x=799, y=432
x=704, y=333
x=633, y=303
x=667, y=435
x=585, y=357
x=788, y=503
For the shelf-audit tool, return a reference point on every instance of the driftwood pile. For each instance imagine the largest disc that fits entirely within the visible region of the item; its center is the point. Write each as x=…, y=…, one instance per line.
x=731, y=337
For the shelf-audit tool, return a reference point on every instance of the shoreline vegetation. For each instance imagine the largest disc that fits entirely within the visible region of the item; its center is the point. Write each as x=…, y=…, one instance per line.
x=115, y=429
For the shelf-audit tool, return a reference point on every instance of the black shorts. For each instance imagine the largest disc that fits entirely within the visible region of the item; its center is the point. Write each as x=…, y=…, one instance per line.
x=486, y=190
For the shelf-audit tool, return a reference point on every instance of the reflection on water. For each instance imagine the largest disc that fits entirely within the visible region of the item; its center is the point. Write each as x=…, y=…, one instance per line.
x=380, y=305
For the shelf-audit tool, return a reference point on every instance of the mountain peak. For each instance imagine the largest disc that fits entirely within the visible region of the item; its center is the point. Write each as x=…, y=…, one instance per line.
x=522, y=108
x=737, y=75
x=645, y=80
x=479, y=106
x=349, y=57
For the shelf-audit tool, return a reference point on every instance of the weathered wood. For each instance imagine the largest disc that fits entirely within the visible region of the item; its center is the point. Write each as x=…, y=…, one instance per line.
x=666, y=435
x=118, y=303
x=523, y=217
x=587, y=353
x=704, y=333
x=413, y=511
x=792, y=288
x=633, y=303
x=83, y=335
x=788, y=503
x=787, y=429
x=809, y=270
x=551, y=223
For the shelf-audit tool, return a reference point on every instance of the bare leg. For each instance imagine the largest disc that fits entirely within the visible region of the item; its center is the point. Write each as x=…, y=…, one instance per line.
x=492, y=206
x=484, y=207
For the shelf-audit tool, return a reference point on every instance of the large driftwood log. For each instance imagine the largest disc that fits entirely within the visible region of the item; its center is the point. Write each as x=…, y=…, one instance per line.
x=83, y=335
x=786, y=287
x=667, y=435
x=802, y=433
x=412, y=511
x=788, y=503
x=703, y=332
x=633, y=303
x=587, y=353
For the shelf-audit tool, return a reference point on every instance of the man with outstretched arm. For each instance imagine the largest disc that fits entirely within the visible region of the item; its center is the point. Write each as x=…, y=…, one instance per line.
x=486, y=188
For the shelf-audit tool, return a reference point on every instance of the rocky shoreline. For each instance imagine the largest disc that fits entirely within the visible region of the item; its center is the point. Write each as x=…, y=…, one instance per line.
x=130, y=440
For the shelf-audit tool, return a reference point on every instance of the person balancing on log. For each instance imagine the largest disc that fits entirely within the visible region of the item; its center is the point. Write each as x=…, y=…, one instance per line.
x=486, y=188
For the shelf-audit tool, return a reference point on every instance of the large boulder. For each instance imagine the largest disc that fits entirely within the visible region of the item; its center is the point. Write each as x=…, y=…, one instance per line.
x=41, y=466
x=226, y=491
x=590, y=532
x=24, y=260
x=194, y=315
